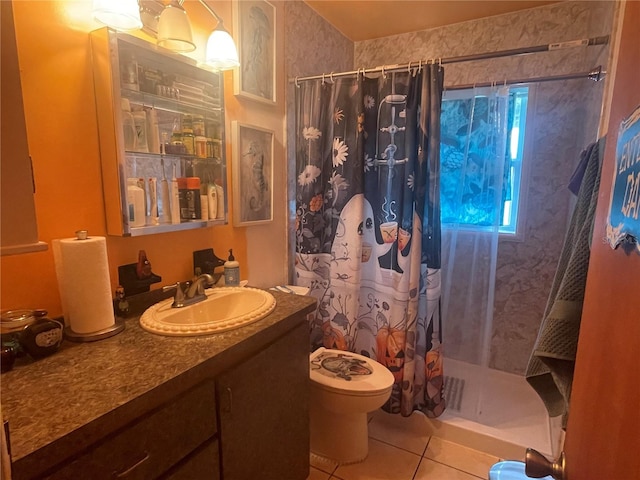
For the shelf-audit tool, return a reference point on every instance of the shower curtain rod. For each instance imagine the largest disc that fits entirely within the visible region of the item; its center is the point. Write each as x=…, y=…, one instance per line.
x=596, y=75
x=602, y=40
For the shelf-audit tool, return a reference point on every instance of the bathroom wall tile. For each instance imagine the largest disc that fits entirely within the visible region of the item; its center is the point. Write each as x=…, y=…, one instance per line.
x=430, y=470
x=383, y=462
x=462, y=458
x=409, y=433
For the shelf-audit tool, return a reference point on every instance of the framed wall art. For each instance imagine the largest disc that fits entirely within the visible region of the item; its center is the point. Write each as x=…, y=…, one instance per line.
x=254, y=29
x=252, y=174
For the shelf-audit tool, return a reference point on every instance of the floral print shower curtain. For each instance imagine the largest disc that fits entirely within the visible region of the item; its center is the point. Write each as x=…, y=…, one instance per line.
x=368, y=224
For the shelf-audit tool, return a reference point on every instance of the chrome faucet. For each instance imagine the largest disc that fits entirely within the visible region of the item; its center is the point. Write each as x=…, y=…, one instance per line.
x=194, y=292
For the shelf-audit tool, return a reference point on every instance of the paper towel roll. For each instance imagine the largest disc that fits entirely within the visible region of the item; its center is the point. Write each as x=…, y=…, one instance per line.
x=82, y=269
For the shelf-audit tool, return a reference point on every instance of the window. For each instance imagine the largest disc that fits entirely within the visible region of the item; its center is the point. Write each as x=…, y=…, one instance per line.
x=477, y=188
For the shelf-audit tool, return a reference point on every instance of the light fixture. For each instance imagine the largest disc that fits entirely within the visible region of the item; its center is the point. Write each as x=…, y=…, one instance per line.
x=221, y=51
x=174, y=29
x=118, y=14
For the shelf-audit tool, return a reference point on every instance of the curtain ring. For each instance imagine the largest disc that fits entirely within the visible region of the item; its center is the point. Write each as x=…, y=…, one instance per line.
x=384, y=75
x=331, y=77
x=296, y=82
x=420, y=66
x=439, y=62
x=323, y=79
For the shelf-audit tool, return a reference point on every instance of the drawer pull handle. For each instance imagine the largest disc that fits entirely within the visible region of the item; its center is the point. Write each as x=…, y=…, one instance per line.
x=230, y=396
x=132, y=467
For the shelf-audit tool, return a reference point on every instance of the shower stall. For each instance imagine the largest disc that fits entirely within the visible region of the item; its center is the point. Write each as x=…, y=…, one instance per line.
x=490, y=405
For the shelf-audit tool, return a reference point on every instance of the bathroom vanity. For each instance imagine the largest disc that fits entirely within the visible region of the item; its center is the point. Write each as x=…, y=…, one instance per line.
x=233, y=405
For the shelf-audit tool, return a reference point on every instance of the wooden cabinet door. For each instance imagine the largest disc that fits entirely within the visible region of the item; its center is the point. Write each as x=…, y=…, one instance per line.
x=603, y=431
x=264, y=412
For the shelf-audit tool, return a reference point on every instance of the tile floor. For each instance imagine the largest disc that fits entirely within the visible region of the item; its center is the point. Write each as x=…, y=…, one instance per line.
x=400, y=448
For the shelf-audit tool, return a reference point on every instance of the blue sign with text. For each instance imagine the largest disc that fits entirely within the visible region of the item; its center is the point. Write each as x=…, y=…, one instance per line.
x=624, y=211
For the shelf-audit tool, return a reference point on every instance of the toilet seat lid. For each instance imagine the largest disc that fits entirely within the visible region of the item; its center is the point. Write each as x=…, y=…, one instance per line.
x=348, y=372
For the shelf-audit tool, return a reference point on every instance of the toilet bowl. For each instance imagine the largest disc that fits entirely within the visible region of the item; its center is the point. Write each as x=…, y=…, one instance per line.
x=344, y=388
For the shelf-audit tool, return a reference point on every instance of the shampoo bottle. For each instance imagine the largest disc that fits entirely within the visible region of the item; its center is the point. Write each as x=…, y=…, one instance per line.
x=231, y=271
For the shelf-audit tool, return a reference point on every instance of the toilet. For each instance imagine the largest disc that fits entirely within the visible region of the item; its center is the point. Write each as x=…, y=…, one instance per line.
x=344, y=387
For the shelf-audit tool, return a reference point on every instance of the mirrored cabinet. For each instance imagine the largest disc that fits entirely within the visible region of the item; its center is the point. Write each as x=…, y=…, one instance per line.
x=161, y=133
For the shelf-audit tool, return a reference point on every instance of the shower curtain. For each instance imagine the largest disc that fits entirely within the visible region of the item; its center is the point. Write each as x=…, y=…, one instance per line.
x=368, y=224
x=474, y=181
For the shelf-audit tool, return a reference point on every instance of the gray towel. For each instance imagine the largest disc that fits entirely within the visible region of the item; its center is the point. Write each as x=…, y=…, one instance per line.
x=550, y=369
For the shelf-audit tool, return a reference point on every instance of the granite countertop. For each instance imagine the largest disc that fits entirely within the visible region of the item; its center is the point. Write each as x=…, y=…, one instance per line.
x=85, y=391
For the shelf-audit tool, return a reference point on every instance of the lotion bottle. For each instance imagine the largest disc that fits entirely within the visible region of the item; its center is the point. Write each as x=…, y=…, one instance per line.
x=231, y=271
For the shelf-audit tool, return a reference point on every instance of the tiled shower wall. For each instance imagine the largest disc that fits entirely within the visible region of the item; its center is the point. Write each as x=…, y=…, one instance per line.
x=565, y=121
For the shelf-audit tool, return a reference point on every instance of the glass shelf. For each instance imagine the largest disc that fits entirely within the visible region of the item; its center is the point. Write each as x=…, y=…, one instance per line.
x=173, y=105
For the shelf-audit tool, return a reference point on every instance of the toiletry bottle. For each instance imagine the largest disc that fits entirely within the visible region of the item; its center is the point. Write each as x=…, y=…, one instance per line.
x=175, y=198
x=231, y=271
x=140, y=119
x=153, y=132
x=129, y=71
x=165, y=195
x=153, y=201
x=128, y=126
x=212, y=194
x=220, y=194
x=188, y=138
x=182, y=189
x=193, y=198
x=135, y=203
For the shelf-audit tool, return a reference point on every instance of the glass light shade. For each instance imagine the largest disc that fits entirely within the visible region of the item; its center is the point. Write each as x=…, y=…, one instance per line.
x=221, y=51
x=118, y=14
x=174, y=30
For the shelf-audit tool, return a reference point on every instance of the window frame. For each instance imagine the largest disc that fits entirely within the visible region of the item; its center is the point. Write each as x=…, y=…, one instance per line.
x=518, y=235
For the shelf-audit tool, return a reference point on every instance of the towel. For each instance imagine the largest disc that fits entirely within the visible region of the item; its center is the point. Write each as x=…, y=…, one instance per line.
x=550, y=368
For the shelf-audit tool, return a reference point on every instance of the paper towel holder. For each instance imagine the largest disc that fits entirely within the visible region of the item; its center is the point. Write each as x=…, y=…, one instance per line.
x=115, y=329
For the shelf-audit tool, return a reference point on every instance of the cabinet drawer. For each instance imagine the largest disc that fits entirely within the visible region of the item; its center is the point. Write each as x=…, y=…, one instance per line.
x=203, y=464
x=150, y=446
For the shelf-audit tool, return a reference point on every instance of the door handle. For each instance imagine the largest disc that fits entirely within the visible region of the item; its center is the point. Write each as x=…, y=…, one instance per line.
x=536, y=465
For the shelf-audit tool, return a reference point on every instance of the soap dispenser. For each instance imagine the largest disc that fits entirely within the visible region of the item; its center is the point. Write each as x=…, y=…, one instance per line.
x=231, y=271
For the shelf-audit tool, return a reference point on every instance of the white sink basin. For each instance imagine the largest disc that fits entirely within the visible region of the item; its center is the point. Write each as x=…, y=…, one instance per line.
x=225, y=308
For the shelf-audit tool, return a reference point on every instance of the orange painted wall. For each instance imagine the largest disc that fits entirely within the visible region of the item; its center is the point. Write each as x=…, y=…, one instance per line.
x=55, y=62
